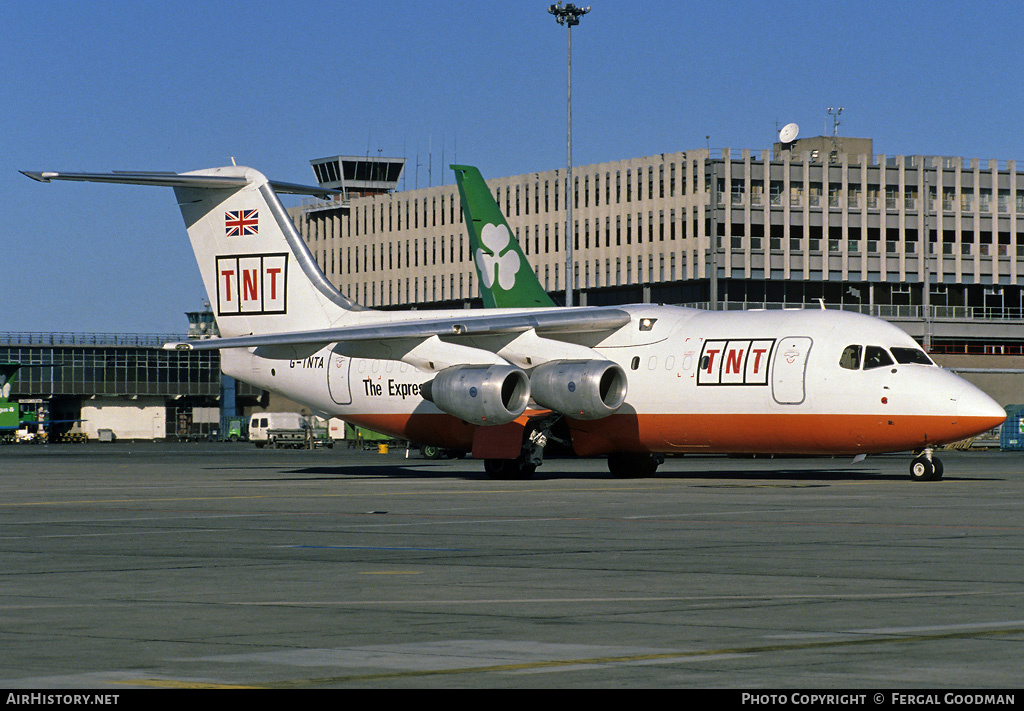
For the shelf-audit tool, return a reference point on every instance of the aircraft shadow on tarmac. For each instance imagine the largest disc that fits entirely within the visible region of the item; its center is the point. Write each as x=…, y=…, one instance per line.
x=717, y=476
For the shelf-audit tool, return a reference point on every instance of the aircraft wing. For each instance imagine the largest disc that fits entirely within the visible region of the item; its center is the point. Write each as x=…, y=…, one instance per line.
x=543, y=321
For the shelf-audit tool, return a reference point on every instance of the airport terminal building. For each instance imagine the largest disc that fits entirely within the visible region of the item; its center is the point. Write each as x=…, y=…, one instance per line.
x=126, y=384
x=932, y=243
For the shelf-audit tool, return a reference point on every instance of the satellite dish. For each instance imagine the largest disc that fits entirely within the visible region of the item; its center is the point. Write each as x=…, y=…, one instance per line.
x=788, y=133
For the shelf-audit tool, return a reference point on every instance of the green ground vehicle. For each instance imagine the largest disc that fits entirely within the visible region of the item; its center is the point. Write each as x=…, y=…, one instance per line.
x=361, y=438
x=233, y=429
x=25, y=421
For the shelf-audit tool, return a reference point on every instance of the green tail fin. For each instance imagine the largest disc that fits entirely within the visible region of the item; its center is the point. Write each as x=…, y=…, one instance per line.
x=506, y=278
x=7, y=372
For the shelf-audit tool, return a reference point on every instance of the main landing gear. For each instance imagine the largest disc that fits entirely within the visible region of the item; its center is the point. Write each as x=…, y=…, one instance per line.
x=925, y=467
x=535, y=439
x=631, y=465
x=509, y=468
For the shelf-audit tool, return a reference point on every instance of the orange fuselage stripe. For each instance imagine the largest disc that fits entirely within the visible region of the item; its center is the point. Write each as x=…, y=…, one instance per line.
x=711, y=433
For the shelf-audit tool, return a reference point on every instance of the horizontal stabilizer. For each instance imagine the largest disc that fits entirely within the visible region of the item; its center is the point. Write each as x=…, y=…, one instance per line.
x=177, y=180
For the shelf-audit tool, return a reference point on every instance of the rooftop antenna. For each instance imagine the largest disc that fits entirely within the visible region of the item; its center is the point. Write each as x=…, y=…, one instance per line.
x=788, y=133
x=834, y=113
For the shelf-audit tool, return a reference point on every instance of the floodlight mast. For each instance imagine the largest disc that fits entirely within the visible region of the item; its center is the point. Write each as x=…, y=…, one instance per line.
x=568, y=15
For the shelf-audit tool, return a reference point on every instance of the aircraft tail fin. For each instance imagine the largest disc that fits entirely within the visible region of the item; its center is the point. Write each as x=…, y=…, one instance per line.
x=259, y=274
x=506, y=278
x=7, y=372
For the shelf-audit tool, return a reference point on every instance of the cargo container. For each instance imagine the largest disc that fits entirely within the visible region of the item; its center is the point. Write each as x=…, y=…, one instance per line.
x=1011, y=435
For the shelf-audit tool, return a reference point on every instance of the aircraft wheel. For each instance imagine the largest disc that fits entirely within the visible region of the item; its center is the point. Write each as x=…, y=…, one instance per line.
x=627, y=465
x=924, y=469
x=430, y=451
x=508, y=469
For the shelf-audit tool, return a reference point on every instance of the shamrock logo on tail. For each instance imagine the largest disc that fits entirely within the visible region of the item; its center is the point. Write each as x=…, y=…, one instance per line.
x=495, y=239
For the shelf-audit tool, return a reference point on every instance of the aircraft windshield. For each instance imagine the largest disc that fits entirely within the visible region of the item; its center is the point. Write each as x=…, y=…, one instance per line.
x=878, y=357
x=850, y=359
x=911, y=355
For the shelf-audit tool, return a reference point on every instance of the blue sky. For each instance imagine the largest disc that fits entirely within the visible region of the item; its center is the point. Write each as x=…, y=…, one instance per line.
x=102, y=86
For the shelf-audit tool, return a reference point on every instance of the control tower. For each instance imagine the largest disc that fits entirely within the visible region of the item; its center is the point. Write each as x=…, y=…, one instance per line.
x=358, y=176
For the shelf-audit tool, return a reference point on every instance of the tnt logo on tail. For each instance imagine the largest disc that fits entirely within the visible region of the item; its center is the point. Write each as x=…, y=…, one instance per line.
x=252, y=284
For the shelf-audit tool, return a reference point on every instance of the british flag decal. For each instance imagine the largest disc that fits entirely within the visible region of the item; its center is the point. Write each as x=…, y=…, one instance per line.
x=241, y=223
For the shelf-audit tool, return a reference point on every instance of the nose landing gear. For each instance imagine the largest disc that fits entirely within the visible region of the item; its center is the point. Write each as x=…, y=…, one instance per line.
x=925, y=467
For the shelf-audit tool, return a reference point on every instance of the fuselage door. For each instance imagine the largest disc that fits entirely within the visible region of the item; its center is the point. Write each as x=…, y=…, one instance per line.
x=337, y=379
x=789, y=370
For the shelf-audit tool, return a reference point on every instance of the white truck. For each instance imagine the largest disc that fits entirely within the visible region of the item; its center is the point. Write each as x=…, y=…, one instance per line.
x=286, y=429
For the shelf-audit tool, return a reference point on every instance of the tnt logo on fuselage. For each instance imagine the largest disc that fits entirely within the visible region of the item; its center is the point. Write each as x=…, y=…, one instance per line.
x=252, y=284
x=735, y=362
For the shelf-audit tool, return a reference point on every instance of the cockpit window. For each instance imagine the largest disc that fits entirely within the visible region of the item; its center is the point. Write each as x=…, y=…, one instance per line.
x=911, y=355
x=875, y=357
x=850, y=359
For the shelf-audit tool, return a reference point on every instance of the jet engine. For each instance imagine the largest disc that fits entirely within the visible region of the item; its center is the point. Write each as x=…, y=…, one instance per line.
x=581, y=389
x=480, y=394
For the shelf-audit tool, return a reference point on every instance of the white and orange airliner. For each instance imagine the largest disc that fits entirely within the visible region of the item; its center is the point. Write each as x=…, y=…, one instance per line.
x=631, y=382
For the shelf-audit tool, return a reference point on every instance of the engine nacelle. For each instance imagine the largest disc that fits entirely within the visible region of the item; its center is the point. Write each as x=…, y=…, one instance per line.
x=581, y=389
x=480, y=394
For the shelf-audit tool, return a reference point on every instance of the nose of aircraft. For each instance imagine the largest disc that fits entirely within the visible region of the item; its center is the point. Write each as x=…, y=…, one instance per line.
x=977, y=411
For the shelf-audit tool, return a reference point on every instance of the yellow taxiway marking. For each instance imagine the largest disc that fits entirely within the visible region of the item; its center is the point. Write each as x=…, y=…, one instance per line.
x=173, y=684
x=596, y=661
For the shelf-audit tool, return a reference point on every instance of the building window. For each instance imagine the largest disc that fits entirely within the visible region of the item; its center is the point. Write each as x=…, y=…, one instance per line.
x=737, y=192
x=967, y=200
x=835, y=191
x=910, y=198
x=948, y=199
x=756, y=193
x=984, y=200
x=814, y=195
